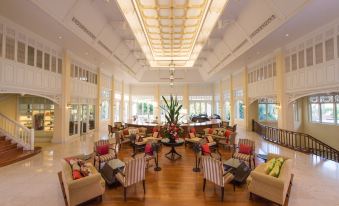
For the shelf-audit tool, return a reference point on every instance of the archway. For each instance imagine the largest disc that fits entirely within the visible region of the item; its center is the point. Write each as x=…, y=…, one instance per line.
x=32, y=111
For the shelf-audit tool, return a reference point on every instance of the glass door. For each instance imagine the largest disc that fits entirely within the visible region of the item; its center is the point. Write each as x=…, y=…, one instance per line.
x=83, y=118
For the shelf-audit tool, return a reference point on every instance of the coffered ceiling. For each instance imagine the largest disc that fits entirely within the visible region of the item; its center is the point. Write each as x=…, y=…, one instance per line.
x=140, y=38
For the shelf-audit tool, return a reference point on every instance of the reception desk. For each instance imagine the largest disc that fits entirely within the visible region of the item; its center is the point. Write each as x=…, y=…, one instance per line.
x=199, y=126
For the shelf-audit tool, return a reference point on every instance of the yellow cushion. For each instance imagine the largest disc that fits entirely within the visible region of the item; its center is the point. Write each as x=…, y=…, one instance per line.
x=192, y=135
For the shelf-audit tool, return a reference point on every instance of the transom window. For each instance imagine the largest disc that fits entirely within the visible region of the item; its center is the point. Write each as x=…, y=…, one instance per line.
x=324, y=109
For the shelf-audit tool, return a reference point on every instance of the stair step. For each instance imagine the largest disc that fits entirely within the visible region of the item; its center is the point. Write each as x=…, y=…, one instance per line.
x=13, y=156
x=7, y=147
x=5, y=142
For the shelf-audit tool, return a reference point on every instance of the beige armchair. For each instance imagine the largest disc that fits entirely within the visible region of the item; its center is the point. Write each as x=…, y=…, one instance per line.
x=272, y=188
x=133, y=173
x=83, y=189
x=213, y=171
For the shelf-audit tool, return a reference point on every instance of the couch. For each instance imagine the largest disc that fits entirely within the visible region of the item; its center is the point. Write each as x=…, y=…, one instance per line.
x=272, y=188
x=216, y=133
x=83, y=189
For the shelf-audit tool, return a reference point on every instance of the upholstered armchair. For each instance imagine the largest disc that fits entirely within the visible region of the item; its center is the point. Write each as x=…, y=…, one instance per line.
x=245, y=151
x=104, y=151
x=191, y=139
x=133, y=173
x=213, y=171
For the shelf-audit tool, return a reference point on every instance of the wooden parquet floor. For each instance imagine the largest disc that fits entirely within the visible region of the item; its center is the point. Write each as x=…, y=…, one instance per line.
x=177, y=185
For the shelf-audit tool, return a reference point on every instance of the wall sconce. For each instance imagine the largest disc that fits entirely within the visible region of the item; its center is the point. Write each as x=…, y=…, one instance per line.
x=69, y=106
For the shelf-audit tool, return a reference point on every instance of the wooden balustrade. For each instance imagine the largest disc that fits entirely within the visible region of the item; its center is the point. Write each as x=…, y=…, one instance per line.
x=17, y=132
x=296, y=140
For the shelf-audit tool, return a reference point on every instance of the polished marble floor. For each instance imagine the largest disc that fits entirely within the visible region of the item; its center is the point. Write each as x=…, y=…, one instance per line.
x=34, y=181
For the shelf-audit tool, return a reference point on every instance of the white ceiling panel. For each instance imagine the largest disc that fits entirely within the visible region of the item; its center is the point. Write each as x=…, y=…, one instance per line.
x=58, y=9
x=110, y=38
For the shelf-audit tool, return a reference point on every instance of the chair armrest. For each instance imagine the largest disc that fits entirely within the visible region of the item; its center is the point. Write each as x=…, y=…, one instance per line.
x=121, y=172
x=85, y=181
x=267, y=179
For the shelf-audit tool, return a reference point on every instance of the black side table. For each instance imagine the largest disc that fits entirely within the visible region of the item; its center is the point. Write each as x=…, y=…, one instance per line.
x=173, y=154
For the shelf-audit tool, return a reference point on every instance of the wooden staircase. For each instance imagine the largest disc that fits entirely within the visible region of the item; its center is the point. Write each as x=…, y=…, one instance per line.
x=12, y=152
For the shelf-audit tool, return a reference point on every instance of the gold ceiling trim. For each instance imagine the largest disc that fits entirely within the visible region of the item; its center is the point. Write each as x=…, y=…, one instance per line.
x=170, y=30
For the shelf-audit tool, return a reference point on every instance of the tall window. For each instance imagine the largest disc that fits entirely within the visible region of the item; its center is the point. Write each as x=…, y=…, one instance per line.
x=105, y=105
x=227, y=110
x=126, y=107
x=117, y=100
x=324, y=109
x=239, y=109
x=201, y=105
x=268, y=109
x=143, y=107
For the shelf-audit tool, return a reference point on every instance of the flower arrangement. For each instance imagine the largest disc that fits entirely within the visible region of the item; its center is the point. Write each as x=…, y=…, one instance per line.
x=172, y=111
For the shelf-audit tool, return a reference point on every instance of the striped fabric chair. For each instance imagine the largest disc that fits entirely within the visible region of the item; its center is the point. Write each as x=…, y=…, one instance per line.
x=133, y=173
x=112, y=154
x=214, y=172
x=245, y=157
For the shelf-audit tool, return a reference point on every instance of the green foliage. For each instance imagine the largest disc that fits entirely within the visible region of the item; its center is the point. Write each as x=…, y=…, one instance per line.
x=172, y=110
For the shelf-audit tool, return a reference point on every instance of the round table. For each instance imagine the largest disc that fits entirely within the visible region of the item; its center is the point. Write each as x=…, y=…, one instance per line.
x=173, y=154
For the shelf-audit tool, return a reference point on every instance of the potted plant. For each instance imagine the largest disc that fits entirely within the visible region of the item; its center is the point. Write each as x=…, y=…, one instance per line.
x=172, y=109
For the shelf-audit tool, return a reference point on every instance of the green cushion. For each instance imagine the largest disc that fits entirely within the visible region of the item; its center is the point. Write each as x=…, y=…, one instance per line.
x=275, y=171
x=270, y=165
x=280, y=159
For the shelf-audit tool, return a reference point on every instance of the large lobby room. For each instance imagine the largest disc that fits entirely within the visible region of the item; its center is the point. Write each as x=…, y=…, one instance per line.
x=169, y=102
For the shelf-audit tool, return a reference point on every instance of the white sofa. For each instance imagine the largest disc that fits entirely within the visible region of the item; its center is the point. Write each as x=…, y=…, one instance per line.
x=269, y=187
x=83, y=189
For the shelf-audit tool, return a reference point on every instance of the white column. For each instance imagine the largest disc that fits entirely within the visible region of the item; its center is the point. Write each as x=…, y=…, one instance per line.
x=122, y=101
x=112, y=100
x=157, y=102
x=221, y=101
x=231, y=101
x=61, y=124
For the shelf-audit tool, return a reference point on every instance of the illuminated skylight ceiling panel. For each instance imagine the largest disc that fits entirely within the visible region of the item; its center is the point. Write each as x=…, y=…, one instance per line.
x=170, y=30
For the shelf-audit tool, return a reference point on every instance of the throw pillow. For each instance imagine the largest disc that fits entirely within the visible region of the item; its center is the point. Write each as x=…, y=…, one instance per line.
x=205, y=149
x=125, y=132
x=275, y=171
x=76, y=174
x=221, y=132
x=210, y=131
x=148, y=149
x=215, y=132
x=155, y=134
x=155, y=129
x=245, y=149
x=228, y=133
x=84, y=171
x=103, y=149
x=192, y=135
x=192, y=130
x=270, y=165
x=210, y=139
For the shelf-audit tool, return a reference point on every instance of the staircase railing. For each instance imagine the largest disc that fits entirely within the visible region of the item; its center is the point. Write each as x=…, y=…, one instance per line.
x=17, y=132
x=296, y=140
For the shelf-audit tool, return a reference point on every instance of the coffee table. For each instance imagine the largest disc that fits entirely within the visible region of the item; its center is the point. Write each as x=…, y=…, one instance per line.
x=173, y=154
x=110, y=169
x=239, y=169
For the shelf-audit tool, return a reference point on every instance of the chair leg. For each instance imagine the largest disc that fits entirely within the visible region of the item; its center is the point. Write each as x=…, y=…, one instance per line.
x=203, y=187
x=144, y=185
x=250, y=163
x=125, y=190
x=250, y=195
x=253, y=162
x=222, y=193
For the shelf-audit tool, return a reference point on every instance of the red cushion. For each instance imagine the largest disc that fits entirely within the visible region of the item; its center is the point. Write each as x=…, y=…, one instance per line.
x=228, y=133
x=192, y=130
x=205, y=149
x=155, y=129
x=148, y=149
x=210, y=131
x=125, y=132
x=245, y=149
x=103, y=149
x=76, y=174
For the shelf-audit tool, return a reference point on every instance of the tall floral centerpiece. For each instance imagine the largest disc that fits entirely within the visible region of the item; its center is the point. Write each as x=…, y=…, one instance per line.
x=172, y=109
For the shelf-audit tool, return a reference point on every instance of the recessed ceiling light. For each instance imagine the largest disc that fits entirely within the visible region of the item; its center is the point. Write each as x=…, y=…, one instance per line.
x=286, y=35
x=59, y=37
